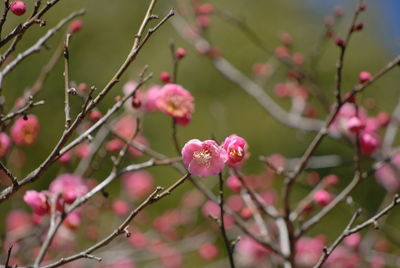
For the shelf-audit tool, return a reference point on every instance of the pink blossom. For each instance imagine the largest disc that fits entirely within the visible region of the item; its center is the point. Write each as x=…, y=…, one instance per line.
x=235, y=203
x=150, y=98
x=120, y=207
x=322, y=197
x=341, y=257
x=165, y=77
x=141, y=140
x=388, y=176
x=37, y=201
x=234, y=184
x=83, y=150
x=354, y=124
x=383, y=119
x=175, y=101
x=65, y=158
x=125, y=126
x=18, y=221
x=371, y=124
x=308, y=250
x=369, y=142
x=138, y=184
x=5, y=144
x=73, y=220
x=331, y=180
x=246, y=213
x=138, y=239
x=353, y=240
x=25, y=132
x=69, y=186
x=208, y=251
x=250, y=252
x=235, y=146
x=203, y=158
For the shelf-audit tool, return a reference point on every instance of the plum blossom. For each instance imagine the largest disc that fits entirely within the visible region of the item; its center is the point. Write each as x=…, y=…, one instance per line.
x=37, y=201
x=203, y=158
x=5, y=144
x=138, y=184
x=176, y=101
x=235, y=146
x=69, y=186
x=25, y=130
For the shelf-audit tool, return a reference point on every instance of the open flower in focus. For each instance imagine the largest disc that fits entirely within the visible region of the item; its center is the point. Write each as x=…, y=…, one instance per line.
x=235, y=146
x=203, y=158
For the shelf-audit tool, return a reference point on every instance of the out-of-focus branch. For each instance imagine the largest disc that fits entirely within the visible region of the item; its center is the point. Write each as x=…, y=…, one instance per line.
x=66, y=82
x=250, y=87
x=38, y=45
x=348, y=230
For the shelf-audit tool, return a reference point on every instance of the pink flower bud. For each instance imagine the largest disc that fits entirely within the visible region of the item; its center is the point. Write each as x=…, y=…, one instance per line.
x=364, y=77
x=358, y=27
x=180, y=53
x=340, y=42
x=82, y=150
x=114, y=145
x=331, y=180
x=165, y=77
x=322, y=198
x=120, y=207
x=246, y=213
x=234, y=184
x=5, y=144
x=18, y=8
x=235, y=203
x=37, y=201
x=203, y=21
x=208, y=251
x=75, y=26
x=82, y=86
x=95, y=115
x=369, y=142
x=25, y=132
x=235, y=146
x=354, y=124
x=203, y=158
x=282, y=52
x=362, y=7
x=261, y=69
x=65, y=158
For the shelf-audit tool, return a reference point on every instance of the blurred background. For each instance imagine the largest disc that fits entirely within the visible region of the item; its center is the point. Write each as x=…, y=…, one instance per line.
x=222, y=108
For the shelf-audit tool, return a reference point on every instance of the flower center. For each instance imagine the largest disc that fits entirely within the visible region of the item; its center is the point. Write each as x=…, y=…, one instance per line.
x=236, y=154
x=203, y=157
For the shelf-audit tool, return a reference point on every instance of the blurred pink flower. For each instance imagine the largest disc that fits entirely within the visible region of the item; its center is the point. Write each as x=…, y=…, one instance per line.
x=25, y=132
x=69, y=186
x=138, y=184
x=37, y=201
x=208, y=251
x=175, y=101
x=5, y=144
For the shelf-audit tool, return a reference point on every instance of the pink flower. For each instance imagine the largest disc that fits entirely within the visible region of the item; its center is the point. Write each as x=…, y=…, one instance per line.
x=369, y=142
x=343, y=257
x=125, y=126
x=120, y=207
x=208, y=251
x=25, y=132
x=75, y=26
x=388, y=176
x=18, y=221
x=322, y=198
x=175, y=101
x=250, y=252
x=37, y=201
x=308, y=250
x=235, y=146
x=138, y=184
x=150, y=98
x=69, y=186
x=203, y=158
x=364, y=77
x=65, y=158
x=5, y=144
x=354, y=124
x=353, y=240
x=73, y=220
x=234, y=184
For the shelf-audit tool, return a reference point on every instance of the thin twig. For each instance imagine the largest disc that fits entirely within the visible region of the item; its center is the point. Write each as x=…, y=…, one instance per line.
x=66, y=82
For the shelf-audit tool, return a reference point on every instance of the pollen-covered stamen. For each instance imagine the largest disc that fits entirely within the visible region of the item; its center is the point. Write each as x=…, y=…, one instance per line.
x=203, y=157
x=236, y=154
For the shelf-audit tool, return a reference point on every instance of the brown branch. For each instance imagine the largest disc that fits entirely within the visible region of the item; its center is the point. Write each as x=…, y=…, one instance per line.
x=66, y=82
